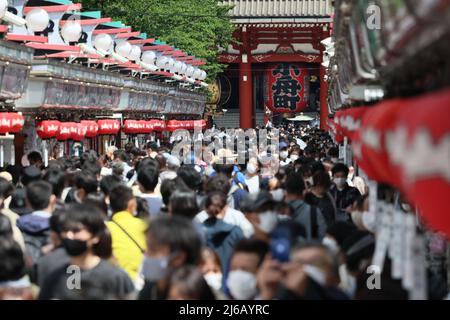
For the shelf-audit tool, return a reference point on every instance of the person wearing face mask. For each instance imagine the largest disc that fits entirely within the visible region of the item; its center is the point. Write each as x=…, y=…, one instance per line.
x=311, y=274
x=284, y=157
x=259, y=209
x=220, y=236
x=334, y=239
x=361, y=217
x=320, y=197
x=82, y=233
x=310, y=217
x=212, y=270
x=247, y=257
x=252, y=176
x=358, y=249
x=342, y=193
x=172, y=243
x=127, y=231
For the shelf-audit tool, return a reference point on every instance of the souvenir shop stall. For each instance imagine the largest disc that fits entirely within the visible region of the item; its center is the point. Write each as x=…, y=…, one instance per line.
x=85, y=75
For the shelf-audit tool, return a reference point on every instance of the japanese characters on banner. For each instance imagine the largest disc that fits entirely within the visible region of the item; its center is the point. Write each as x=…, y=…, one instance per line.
x=287, y=88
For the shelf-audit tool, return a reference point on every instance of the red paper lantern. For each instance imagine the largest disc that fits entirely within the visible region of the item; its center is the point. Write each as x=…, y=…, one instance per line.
x=349, y=120
x=48, y=129
x=174, y=125
x=108, y=127
x=419, y=150
x=66, y=130
x=148, y=127
x=17, y=123
x=91, y=128
x=158, y=125
x=130, y=127
x=78, y=131
x=5, y=122
x=376, y=122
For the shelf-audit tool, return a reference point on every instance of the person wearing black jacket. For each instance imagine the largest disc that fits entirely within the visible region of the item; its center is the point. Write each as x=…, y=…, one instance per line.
x=342, y=193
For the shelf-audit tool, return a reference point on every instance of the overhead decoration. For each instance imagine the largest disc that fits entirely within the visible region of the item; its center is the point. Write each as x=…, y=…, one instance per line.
x=286, y=87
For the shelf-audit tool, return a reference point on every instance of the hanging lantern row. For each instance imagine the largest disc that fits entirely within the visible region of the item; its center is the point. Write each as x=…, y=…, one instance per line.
x=107, y=41
x=174, y=125
x=143, y=126
x=11, y=122
x=406, y=143
x=62, y=131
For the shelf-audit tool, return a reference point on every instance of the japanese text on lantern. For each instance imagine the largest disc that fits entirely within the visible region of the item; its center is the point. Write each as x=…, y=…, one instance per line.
x=286, y=88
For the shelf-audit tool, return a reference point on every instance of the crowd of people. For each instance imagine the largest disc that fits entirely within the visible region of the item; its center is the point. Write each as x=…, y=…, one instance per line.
x=142, y=224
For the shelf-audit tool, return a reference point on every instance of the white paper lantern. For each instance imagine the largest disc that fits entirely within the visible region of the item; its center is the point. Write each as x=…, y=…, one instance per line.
x=123, y=49
x=3, y=7
x=135, y=53
x=197, y=73
x=170, y=63
x=190, y=71
x=177, y=66
x=161, y=62
x=149, y=57
x=203, y=75
x=184, y=68
x=103, y=41
x=71, y=31
x=37, y=20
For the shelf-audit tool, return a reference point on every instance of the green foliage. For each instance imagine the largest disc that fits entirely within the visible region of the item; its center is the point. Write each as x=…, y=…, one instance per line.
x=198, y=27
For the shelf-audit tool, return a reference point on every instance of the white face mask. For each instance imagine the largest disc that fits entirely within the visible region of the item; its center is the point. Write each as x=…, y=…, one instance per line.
x=331, y=244
x=316, y=274
x=309, y=181
x=340, y=182
x=214, y=280
x=268, y=221
x=277, y=194
x=294, y=157
x=251, y=169
x=283, y=154
x=242, y=284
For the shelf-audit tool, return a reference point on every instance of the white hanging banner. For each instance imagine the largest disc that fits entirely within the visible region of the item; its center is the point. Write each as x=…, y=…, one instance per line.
x=2, y=160
x=45, y=149
x=383, y=236
x=13, y=154
x=408, y=271
x=61, y=149
x=419, y=290
x=373, y=200
x=397, y=245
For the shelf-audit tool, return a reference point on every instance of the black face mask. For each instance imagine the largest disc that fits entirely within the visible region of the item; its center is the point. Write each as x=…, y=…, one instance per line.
x=75, y=247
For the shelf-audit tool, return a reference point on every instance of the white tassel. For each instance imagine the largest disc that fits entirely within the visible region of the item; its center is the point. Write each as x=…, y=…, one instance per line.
x=13, y=154
x=61, y=149
x=1, y=155
x=136, y=142
x=44, y=143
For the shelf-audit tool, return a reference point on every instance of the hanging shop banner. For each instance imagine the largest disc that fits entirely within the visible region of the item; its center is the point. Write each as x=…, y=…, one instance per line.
x=287, y=88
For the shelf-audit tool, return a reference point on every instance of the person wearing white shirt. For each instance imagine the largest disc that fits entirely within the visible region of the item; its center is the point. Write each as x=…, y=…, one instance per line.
x=233, y=217
x=252, y=176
